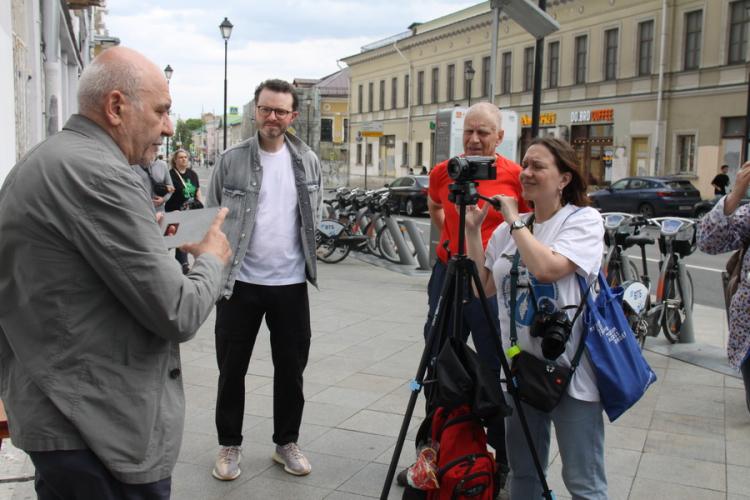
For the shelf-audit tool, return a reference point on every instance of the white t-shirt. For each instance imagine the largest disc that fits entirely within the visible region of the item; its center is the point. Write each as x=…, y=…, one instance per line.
x=274, y=254
x=576, y=233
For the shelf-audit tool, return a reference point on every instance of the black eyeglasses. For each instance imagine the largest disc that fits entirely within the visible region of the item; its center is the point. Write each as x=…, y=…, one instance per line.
x=266, y=111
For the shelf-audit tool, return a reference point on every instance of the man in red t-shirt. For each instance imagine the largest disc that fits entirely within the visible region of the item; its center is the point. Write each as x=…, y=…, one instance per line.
x=482, y=134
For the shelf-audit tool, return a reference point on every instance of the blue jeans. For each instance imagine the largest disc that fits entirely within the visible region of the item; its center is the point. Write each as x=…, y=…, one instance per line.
x=473, y=321
x=579, y=427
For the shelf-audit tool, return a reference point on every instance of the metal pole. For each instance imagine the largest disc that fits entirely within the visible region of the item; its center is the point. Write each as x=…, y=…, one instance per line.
x=747, y=123
x=536, y=102
x=225, y=93
x=660, y=87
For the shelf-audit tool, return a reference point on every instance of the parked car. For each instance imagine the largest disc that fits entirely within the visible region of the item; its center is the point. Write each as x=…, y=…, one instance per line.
x=409, y=193
x=703, y=207
x=649, y=196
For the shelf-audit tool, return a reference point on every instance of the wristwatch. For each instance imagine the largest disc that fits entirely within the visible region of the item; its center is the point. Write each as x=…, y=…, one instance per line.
x=517, y=224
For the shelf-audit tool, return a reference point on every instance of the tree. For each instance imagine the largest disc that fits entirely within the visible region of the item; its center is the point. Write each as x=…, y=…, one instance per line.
x=183, y=134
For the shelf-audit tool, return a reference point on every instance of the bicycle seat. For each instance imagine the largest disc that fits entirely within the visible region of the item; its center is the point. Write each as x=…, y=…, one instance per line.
x=638, y=240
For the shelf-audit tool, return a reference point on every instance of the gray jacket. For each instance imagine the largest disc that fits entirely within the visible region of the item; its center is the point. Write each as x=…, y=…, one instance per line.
x=93, y=307
x=235, y=184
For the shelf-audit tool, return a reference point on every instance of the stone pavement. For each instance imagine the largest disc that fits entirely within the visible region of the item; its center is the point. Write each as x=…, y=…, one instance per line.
x=689, y=437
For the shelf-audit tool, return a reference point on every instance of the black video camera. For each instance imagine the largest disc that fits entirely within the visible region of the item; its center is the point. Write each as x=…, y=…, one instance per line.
x=472, y=168
x=554, y=328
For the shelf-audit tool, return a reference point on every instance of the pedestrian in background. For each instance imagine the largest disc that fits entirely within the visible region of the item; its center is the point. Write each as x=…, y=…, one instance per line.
x=724, y=229
x=721, y=181
x=271, y=184
x=565, y=238
x=92, y=305
x=187, y=194
x=157, y=181
x=482, y=134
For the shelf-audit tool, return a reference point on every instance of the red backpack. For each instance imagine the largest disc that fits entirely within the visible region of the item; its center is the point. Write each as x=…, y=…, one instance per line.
x=466, y=471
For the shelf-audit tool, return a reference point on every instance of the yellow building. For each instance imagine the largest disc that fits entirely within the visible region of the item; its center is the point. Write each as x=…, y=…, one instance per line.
x=605, y=80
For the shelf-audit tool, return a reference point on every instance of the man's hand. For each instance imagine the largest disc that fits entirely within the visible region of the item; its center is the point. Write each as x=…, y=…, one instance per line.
x=158, y=201
x=214, y=242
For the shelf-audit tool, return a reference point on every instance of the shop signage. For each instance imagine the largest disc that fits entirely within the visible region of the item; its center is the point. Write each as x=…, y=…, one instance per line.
x=372, y=129
x=593, y=115
x=544, y=119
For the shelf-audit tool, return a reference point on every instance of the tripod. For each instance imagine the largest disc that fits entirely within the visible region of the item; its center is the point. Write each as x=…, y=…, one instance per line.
x=461, y=272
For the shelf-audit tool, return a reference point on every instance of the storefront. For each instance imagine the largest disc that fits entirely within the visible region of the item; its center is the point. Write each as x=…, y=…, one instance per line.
x=547, y=126
x=592, y=137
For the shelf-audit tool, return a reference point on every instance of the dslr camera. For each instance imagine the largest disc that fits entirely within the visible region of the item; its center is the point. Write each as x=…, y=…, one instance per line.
x=554, y=328
x=472, y=168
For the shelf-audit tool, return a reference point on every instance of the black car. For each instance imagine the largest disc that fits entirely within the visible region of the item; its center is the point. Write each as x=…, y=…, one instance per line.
x=705, y=206
x=649, y=196
x=409, y=193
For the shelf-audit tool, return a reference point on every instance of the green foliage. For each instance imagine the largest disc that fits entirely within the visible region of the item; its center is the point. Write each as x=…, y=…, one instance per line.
x=194, y=123
x=183, y=134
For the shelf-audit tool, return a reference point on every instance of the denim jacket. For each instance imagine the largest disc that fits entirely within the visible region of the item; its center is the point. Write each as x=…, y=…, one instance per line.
x=235, y=184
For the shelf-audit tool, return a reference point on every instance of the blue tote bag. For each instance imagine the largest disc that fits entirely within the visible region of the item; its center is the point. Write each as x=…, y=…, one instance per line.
x=622, y=373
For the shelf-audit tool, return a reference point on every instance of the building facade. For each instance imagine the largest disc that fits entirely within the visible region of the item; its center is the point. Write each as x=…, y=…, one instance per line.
x=637, y=86
x=44, y=46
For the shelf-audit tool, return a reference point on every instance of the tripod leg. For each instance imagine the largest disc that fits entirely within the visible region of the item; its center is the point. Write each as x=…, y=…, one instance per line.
x=436, y=335
x=510, y=382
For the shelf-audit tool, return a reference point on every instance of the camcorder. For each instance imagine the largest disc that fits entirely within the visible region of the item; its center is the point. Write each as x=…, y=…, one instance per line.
x=159, y=188
x=554, y=328
x=472, y=168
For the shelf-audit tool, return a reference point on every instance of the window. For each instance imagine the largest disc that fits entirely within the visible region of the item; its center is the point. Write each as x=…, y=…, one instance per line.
x=368, y=155
x=467, y=82
x=381, y=100
x=610, y=54
x=405, y=154
x=506, y=72
x=528, y=68
x=553, y=64
x=451, y=82
x=621, y=184
x=693, y=21
x=420, y=88
x=435, y=84
x=326, y=130
x=346, y=130
x=360, y=97
x=394, y=92
x=406, y=91
x=686, y=153
x=486, y=76
x=645, y=47
x=738, y=31
x=580, y=58
x=359, y=154
x=369, y=95
x=419, y=154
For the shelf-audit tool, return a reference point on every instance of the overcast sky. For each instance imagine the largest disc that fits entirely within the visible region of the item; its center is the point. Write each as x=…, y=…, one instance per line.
x=271, y=38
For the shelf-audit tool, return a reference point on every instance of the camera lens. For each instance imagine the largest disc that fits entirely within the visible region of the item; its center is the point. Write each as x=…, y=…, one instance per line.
x=553, y=342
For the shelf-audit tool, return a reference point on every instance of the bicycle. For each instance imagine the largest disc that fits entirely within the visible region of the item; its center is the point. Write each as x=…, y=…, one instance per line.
x=674, y=290
x=622, y=231
x=385, y=243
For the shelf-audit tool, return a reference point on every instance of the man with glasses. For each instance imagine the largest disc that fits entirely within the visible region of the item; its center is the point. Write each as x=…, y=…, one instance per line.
x=271, y=184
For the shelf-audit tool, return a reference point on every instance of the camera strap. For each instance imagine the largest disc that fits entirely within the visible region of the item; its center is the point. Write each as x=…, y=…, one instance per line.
x=513, y=291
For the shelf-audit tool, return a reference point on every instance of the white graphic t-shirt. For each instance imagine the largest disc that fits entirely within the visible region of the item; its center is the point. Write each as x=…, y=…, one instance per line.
x=576, y=233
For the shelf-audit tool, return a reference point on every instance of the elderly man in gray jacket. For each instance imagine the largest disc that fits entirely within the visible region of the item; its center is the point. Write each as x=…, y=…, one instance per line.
x=92, y=304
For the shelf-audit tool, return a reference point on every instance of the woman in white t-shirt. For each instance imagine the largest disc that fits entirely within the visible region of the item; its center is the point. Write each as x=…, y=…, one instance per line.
x=565, y=239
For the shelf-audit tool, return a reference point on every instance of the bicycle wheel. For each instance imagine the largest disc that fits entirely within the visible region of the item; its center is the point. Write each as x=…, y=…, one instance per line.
x=371, y=231
x=328, y=248
x=674, y=308
x=387, y=245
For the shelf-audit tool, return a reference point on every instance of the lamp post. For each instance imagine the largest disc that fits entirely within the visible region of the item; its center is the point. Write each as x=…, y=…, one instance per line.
x=468, y=77
x=308, y=103
x=168, y=75
x=226, y=32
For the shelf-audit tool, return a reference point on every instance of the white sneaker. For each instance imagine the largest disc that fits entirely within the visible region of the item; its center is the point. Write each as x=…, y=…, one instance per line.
x=292, y=459
x=227, y=466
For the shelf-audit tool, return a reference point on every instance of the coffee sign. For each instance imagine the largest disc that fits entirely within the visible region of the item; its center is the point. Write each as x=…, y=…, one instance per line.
x=594, y=115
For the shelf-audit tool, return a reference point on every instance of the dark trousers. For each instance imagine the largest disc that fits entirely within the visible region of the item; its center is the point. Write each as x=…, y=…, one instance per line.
x=80, y=475
x=745, y=369
x=475, y=322
x=287, y=312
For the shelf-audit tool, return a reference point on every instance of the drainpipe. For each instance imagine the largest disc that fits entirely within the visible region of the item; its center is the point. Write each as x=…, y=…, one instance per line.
x=493, y=49
x=660, y=89
x=408, y=100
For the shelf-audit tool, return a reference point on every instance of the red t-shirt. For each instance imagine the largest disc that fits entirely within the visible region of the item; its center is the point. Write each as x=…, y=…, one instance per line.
x=507, y=183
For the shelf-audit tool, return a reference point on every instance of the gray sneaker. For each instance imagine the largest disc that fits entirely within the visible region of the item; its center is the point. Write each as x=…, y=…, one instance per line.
x=227, y=467
x=292, y=459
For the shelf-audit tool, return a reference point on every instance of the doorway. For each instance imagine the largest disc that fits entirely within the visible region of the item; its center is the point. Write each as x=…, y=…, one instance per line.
x=639, y=156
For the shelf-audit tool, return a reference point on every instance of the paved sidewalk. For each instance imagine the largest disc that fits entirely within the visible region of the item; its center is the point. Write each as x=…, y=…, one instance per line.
x=688, y=438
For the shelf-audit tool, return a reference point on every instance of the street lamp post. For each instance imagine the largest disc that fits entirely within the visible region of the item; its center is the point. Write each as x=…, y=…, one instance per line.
x=308, y=103
x=168, y=75
x=226, y=32
x=468, y=77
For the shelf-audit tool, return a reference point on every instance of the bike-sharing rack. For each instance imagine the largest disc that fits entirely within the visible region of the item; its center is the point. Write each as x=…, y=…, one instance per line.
x=687, y=336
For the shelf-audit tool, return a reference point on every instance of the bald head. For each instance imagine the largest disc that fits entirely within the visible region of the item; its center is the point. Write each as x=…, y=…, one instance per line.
x=116, y=69
x=489, y=112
